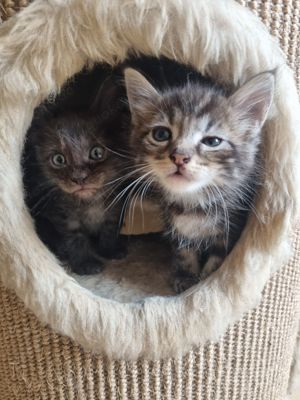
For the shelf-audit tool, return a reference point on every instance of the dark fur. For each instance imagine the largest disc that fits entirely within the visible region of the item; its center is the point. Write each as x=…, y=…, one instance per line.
x=81, y=231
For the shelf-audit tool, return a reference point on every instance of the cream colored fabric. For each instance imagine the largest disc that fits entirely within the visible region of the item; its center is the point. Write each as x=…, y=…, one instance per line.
x=251, y=359
x=250, y=362
x=294, y=384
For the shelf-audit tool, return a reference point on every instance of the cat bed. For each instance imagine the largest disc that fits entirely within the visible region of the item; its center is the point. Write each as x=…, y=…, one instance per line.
x=231, y=336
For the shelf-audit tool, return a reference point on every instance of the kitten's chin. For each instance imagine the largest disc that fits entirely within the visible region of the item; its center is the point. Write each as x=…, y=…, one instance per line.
x=85, y=194
x=180, y=185
x=81, y=193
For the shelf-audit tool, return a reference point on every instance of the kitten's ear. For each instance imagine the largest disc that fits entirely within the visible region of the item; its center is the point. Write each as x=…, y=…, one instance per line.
x=141, y=94
x=106, y=96
x=252, y=101
x=42, y=114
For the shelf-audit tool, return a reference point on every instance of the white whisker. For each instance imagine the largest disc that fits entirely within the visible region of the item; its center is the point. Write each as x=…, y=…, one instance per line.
x=121, y=194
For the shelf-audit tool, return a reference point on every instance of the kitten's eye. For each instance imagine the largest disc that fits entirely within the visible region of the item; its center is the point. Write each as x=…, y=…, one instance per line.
x=212, y=141
x=58, y=160
x=96, y=153
x=161, y=134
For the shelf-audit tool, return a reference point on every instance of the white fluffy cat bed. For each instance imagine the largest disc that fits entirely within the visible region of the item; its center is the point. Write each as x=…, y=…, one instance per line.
x=234, y=336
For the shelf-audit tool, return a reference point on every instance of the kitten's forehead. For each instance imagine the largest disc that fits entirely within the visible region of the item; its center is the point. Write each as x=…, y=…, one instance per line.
x=190, y=127
x=192, y=99
x=191, y=114
x=75, y=132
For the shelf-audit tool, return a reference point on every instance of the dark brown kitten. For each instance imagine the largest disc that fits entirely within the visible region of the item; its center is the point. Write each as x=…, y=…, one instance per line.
x=199, y=147
x=70, y=161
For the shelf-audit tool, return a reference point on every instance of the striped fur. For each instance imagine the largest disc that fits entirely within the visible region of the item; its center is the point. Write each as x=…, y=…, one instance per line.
x=206, y=189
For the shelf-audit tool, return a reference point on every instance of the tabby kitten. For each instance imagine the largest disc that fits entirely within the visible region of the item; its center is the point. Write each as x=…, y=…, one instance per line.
x=200, y=147
x=70, y=161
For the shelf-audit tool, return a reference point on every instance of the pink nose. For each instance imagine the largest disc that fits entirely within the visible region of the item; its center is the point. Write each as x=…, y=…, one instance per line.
x=180, y=159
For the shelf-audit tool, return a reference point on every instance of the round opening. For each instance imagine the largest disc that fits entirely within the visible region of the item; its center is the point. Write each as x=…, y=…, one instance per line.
x=67, y=133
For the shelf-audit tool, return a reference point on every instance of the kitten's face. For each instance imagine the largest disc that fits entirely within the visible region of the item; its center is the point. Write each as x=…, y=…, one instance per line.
x=74, y=153
x=193, y=137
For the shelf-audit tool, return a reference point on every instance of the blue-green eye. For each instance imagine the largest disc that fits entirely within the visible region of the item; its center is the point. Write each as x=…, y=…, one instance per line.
x=212, y=141
x=161, y=134
x=97, y=153
x=58, y=160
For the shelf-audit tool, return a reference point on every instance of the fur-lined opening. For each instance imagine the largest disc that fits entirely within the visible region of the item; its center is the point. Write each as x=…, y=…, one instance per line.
x=49, y=42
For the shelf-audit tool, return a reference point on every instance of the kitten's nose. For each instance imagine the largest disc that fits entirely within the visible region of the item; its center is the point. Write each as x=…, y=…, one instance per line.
x=179, y=158
x=79, y=178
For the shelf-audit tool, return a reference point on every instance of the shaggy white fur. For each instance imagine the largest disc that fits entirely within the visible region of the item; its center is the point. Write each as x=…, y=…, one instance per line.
x=50, y=41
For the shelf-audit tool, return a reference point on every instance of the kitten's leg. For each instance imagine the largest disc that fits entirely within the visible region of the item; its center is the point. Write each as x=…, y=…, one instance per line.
x=186, y=265
x=211, y=265
x=109, y=243
x=80, y=255
x=216, y=255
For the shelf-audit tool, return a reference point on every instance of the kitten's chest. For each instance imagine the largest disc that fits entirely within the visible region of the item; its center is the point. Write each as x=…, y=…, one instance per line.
x=93, y=216
x=193, y=225
x=89, y=218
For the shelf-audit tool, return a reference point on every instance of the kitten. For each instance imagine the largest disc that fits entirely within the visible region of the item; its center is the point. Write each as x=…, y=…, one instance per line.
x=201, y=147
x=70, y=161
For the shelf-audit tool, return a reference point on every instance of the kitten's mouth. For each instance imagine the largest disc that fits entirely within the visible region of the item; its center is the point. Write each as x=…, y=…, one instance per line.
x=179, y=175
x=85, y=192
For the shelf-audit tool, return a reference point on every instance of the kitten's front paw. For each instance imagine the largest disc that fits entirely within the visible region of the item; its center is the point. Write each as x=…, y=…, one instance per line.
x=88, y=267
x=183, y=282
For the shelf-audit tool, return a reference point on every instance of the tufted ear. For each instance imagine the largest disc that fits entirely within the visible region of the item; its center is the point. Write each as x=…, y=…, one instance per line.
x=252, y=101
x=43, y=113
x=142, y=96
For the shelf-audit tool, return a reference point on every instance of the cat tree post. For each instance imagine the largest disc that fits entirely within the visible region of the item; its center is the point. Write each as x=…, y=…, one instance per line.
x=251, y=359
